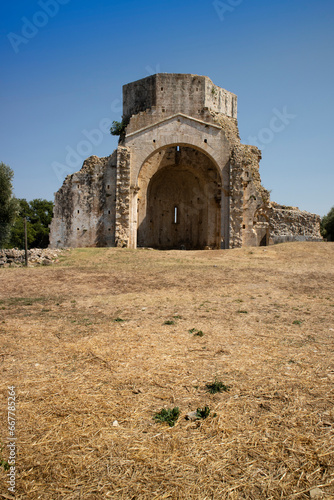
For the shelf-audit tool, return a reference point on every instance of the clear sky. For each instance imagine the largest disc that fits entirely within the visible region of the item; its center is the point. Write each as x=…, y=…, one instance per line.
x=64, y=63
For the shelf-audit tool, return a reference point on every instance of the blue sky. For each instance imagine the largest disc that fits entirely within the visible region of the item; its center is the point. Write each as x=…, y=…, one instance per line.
x=64, y=63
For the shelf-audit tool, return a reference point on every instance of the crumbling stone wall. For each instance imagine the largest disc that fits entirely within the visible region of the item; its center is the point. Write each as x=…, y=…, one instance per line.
x=292, y=224
x=14, y=257
x=84, y=213
x=247, y=198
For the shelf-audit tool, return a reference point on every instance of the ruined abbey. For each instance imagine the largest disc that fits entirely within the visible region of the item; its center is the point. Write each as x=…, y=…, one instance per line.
x=179, y=179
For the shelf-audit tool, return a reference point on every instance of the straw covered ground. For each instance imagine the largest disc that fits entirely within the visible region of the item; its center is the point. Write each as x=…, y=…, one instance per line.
x=98, y=343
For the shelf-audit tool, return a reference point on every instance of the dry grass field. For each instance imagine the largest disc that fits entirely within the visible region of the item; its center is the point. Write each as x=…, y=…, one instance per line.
x=109, y=335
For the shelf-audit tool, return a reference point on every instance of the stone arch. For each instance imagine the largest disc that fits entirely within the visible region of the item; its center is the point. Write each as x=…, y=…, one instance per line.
x=179, y=199
x=183, y=131
x=178, y=130
x=177, y=145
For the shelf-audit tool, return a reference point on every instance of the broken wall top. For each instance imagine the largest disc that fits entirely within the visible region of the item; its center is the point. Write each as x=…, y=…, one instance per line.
x=171, y=93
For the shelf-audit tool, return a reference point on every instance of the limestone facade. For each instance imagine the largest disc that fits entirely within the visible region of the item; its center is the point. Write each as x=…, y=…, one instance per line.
x=180, y=178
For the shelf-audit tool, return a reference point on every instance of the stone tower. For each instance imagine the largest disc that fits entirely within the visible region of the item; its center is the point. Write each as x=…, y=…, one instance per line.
x=179, y=178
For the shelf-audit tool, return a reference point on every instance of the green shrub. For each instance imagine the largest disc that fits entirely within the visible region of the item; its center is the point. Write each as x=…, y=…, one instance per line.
x=217, y=386
x=196, y=332
x=203, y=412
x=118, y=128
x=199, y=333
x=4, y=464
x=327, y=225
x=169, y=415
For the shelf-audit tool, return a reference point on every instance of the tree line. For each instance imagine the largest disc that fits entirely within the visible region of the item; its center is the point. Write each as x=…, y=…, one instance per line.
x=38, y=214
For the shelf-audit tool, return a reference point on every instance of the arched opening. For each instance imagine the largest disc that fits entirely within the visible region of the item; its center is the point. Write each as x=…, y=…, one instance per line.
x=179, y=200
x=264, y=239
x=177, y=212
x=261, y=226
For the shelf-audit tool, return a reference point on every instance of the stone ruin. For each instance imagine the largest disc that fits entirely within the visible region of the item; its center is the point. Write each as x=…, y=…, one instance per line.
x=179, y=179
x=14, y=257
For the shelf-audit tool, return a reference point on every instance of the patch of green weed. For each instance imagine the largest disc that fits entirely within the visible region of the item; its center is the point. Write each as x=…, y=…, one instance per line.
x=169, y=415
x=4, y=464
x=24, y=301
x=217, y=386
x=197, y=333
x=203, y=412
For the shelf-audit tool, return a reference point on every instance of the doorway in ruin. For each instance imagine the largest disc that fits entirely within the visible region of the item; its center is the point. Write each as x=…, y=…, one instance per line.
x=261, y=226
x=179, y=200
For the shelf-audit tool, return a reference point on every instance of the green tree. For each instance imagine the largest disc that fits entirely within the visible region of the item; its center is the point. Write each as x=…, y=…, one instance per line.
x=8, y=204
x=39, y=214
x=118, y=128
x=327, y=225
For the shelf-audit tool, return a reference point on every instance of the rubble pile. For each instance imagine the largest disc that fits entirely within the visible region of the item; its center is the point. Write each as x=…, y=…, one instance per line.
x=36, y=256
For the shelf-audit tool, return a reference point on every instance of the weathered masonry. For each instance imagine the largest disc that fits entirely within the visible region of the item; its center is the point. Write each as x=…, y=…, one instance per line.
x=179, y=179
